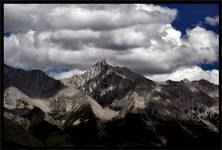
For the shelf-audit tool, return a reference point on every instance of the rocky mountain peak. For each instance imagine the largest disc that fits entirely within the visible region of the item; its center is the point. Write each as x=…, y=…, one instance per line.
x=106, y=62
x=103, y=62
x=100, y=68
x=106, y=81
x=185, y=80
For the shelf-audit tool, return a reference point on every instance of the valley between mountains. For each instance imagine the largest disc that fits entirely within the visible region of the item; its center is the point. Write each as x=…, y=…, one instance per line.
x=108, y=106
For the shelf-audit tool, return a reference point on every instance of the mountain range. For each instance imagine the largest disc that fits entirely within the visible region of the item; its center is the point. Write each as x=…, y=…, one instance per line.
x=108, y=106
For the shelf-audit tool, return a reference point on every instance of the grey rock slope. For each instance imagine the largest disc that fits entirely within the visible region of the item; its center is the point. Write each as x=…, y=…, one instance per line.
x=47, y=106
x=109, y=106
x=120, y=89
x=110, y=84
x=160, y=107
x=35, y=89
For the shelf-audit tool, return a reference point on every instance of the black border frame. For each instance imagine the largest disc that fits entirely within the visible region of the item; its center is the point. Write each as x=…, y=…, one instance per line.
x=2, y=2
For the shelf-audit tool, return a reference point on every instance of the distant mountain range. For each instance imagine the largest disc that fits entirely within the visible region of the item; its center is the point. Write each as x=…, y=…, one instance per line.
x=108, y=106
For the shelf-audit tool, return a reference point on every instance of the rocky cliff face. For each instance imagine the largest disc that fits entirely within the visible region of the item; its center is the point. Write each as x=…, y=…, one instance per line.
x=109, y=106
x=108, y=83
x=120, y=89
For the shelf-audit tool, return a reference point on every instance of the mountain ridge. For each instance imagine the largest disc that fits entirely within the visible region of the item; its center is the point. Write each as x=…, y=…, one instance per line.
x=110, y=107
x=103, y=83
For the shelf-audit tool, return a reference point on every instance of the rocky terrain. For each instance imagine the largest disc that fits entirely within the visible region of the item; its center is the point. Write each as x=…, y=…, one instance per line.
x=108, y=106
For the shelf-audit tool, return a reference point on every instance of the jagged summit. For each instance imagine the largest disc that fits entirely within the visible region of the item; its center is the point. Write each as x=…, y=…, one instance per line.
x=114, y=81
x=104, y=69
x=185, y=80
x=103, y=62
x=107, y=62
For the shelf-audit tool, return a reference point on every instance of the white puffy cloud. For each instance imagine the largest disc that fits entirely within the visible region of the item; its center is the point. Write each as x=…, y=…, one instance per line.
x=205, y=44
x=169, y=50
x=65, y=74
x=191, y=73
x=165, y=51
x=212, y=20
x=140, y=37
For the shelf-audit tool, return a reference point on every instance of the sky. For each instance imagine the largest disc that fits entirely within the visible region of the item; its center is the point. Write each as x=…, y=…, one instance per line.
x=159, y=41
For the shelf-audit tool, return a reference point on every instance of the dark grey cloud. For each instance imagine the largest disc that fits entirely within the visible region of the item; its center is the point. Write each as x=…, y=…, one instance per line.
x=96, y=17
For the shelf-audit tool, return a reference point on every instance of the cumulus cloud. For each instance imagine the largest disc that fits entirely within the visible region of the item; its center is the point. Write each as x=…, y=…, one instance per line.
x=65, y=74
x=212, y=20
x=139, y=36
x=169, y=51
x=205, y=44
x=32, y=50
x=161, y=53
x=192, y=73
x=82, y=16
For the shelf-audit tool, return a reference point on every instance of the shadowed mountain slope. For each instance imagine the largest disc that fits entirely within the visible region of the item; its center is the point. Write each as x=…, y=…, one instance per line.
x=108, y=106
